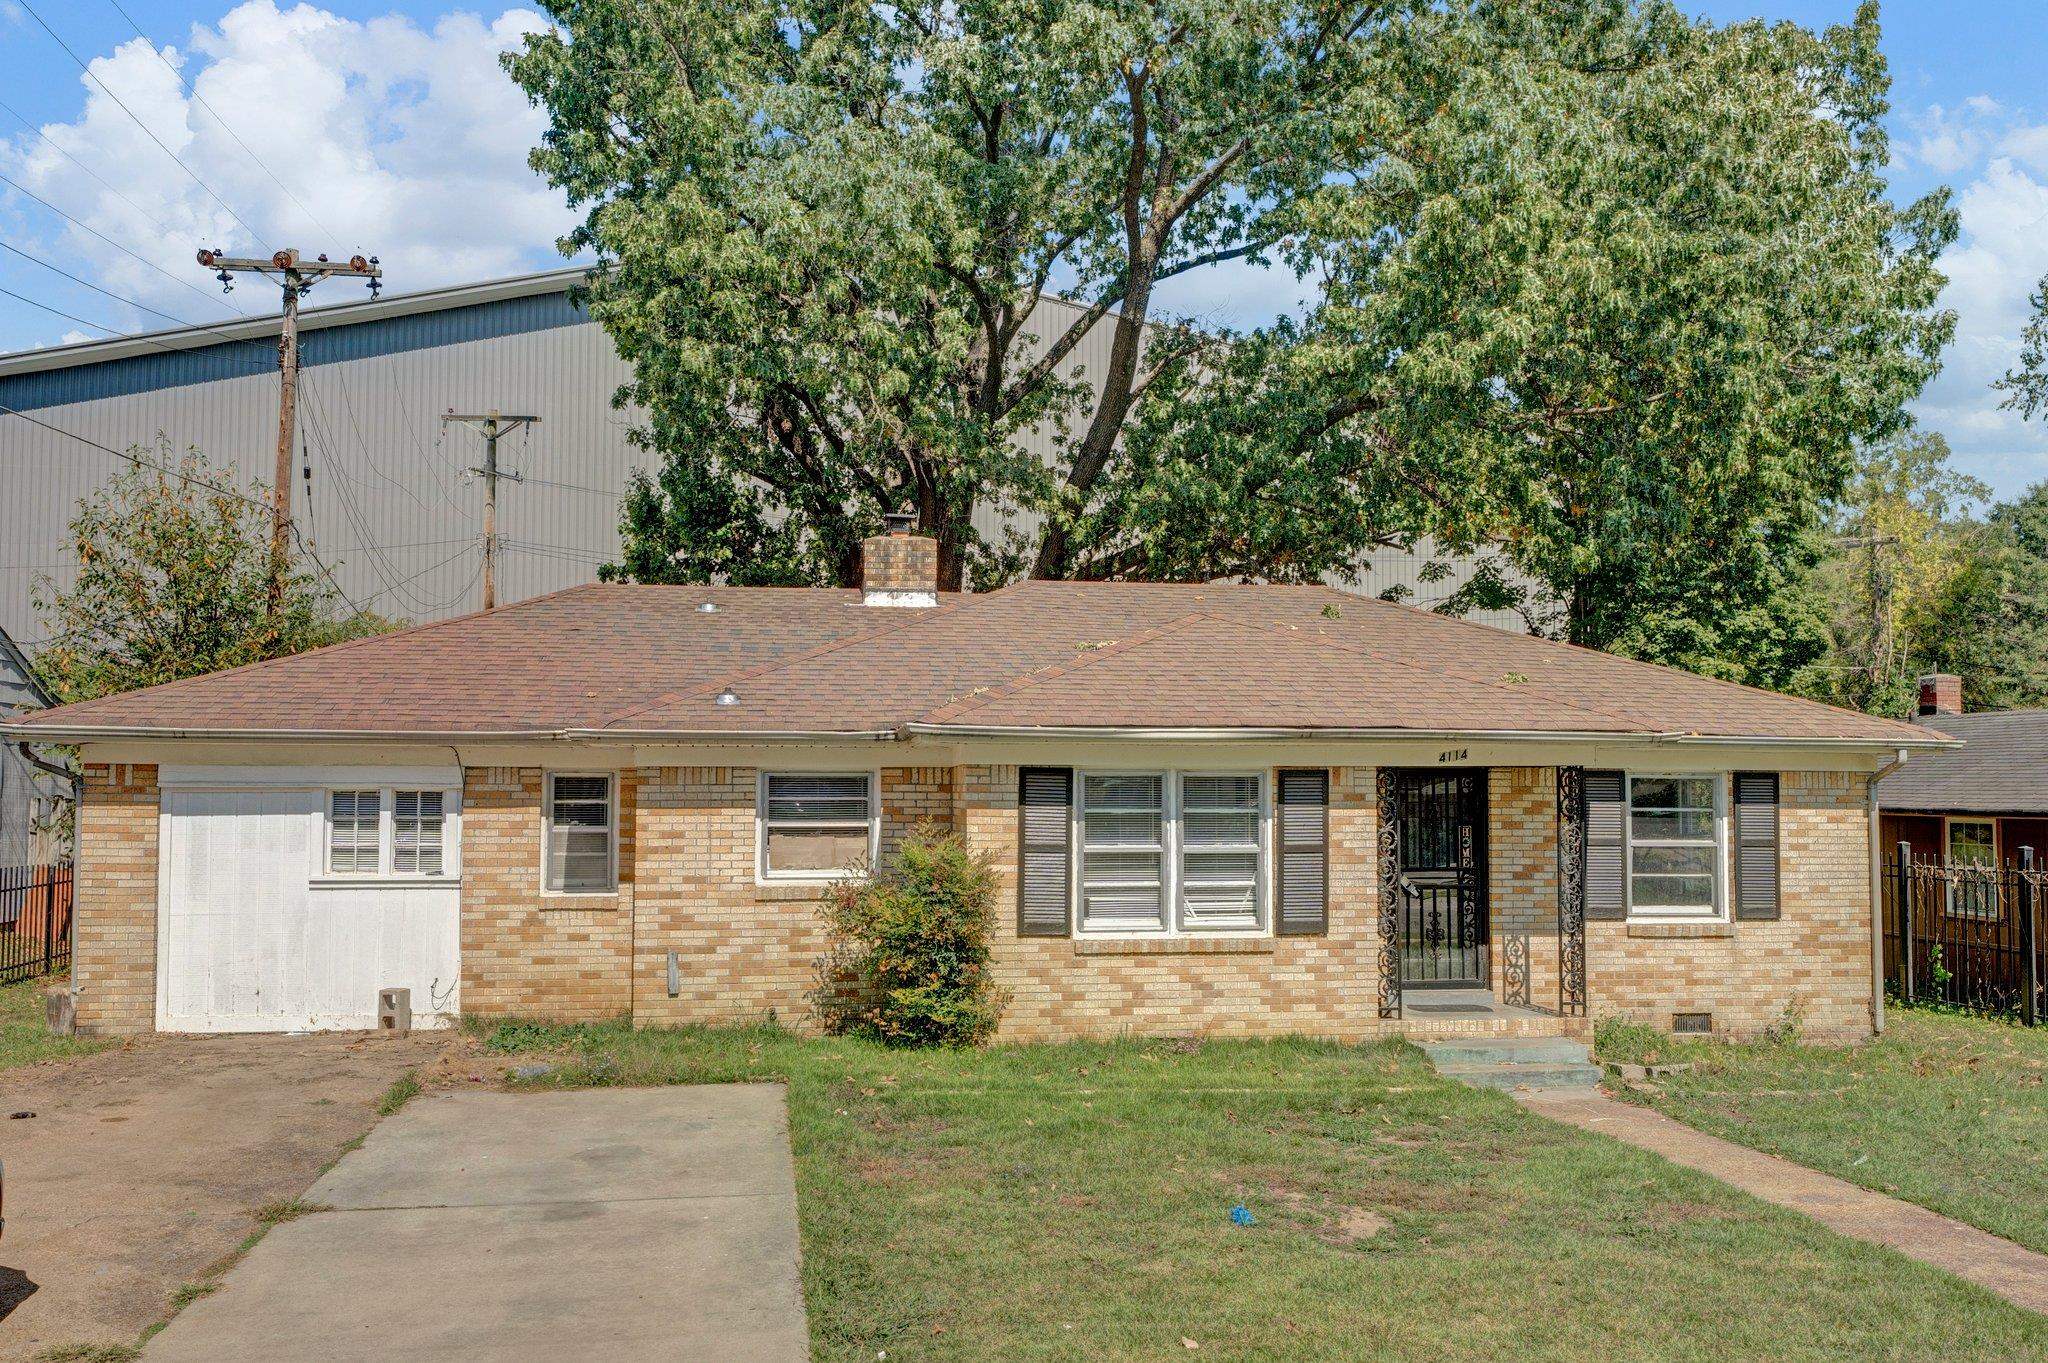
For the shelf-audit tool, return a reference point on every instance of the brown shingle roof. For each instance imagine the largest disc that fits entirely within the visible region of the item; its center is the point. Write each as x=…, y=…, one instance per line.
x=634, y=660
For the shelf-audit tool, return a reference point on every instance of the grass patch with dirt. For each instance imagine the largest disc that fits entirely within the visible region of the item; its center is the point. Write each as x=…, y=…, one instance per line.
x=1947, y=1111
x=25, y=1035
x=1074, y=1202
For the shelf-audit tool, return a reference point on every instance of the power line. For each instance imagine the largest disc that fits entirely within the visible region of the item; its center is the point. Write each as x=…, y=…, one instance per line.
x=190, y=480
x=80, y=64
x=88, y=284
x=179, y=280
x=57, y=147
x=200, y=99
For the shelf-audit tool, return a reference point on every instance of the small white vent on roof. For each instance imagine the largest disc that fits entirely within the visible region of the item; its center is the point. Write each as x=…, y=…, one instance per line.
x=707, y=608
x=728, y=698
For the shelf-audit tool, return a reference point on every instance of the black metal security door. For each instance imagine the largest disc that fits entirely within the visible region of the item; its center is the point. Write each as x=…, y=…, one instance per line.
x=1443, y=878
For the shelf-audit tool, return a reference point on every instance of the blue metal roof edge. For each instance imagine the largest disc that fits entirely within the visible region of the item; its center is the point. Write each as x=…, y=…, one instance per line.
x=367, y=339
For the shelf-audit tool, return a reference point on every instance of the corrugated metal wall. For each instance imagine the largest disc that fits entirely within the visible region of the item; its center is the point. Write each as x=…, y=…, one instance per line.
x=392, y=509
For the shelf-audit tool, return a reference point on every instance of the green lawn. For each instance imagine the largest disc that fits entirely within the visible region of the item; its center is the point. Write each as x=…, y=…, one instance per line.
x=24, y=1037
x=1949, y=1112
x=1073, y=1202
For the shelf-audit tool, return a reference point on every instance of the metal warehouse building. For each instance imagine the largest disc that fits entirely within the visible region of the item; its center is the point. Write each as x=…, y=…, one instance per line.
x=383, y=492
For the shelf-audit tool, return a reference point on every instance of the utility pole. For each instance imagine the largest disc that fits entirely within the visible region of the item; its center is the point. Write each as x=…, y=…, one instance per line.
x=493, y=424
x=296, y=277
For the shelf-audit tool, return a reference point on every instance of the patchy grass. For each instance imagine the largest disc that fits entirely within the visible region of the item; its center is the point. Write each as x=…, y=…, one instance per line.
x=89, y=1353
x=190, y=1293
x=1073, y=1202
x=25, y=1035
x=277, y=1213
x=403, y=1090
x=1947, y=1111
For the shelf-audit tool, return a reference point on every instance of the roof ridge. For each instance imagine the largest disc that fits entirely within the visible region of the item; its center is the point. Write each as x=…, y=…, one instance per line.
x=725, y=680
x=974, y=700
x=334, y=648
x=1640, y=663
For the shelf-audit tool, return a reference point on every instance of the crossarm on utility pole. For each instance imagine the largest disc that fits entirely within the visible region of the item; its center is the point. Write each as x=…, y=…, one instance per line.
x=492, y=424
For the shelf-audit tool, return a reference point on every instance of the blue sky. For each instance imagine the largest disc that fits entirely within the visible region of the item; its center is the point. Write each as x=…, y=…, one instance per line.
x=387, y=122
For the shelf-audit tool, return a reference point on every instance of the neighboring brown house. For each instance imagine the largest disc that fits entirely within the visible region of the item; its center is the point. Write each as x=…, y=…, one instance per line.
x=1984, y=803
x=1233, y=810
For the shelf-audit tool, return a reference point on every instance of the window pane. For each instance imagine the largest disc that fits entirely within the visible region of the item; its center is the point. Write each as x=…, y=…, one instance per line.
x=1120, y=830
x=1672, y=792
x=1972, y=843
x=1209, y=830
x=1220, y=792
x=817, y=849
x=1220, y=906
x=1124, y=792
x=1694, y=860
x=1122, y=908
x=1680, y=825
x=1118, y=868
x=352, y=831
x=1672, y=892
x=582, y=813
x=818, y=797
x=1234, y=868
x=416, y=832
x=582, y=788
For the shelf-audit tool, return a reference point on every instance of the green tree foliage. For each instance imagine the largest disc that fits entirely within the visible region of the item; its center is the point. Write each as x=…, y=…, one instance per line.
x=1990, y=626
x=173, y=580
x=2026, y=384
x=911, y=967
x=1609, y=289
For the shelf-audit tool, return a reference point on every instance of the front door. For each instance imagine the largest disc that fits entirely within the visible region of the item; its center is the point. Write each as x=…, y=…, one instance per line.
x=1442, y=835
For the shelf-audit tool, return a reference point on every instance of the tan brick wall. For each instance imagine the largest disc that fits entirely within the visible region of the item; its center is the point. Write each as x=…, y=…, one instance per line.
x=1814, y=960
x=526, y=953
x=1324, y=986
x=1521, y=842
x=113, y=953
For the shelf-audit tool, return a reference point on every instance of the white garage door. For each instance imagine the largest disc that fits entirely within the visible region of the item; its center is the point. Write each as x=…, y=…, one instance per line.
x=253, y=938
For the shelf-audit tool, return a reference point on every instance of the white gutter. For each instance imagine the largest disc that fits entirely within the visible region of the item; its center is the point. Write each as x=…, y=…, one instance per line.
x=1465, y=735
x=1877, y=896
x=53, y=733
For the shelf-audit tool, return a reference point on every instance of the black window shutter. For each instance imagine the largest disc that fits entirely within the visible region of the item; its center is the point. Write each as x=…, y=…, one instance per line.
x=1606, y=796
x=1045, y=850
x=1756, y=845
x=1304, y=886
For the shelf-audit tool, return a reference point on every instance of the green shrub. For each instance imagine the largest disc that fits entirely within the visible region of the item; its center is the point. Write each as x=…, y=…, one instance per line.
x=910, y=967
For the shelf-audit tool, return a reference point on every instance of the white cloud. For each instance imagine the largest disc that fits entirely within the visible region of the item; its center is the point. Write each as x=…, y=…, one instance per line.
x=398, y=141
x=2000, y=257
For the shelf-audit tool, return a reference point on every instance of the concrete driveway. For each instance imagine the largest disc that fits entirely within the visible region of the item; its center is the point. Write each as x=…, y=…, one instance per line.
x=594, y=1225
x=143, y=1165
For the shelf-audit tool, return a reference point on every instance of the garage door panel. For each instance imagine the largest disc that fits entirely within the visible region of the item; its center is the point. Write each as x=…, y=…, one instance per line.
x=248, y=942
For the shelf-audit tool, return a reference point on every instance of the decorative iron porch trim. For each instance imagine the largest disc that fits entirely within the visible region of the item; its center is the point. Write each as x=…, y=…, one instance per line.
x=1571, y=892
x=1390, y=894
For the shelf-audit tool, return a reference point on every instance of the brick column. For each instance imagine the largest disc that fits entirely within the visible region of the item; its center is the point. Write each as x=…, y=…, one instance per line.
x=113, y=953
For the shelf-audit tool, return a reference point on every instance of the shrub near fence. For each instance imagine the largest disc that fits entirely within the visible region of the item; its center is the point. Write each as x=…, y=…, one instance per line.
x=35, y=921
x=1966, y=934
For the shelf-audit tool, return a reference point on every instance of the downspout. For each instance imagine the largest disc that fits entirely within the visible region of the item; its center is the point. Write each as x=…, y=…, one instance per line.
x=71, y=778
x=1877, y=896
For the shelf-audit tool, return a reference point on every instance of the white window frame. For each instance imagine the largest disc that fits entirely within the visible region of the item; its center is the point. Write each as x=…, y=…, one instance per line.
x=387, y=872
x=764, y=876
x=1172, y=849
x=547, y=825
x=1665, y=913
x=1949, y=906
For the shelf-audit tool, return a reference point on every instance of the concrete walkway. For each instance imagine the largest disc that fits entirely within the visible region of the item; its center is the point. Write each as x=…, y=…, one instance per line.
x=2012, y=1271
x=594, y=1225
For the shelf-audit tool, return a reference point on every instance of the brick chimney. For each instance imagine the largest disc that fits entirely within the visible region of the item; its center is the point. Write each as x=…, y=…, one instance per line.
x=1941, y=694
x=898, y=568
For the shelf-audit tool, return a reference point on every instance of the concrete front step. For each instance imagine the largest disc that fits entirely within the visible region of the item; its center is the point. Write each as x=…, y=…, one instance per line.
x=1515, y=1063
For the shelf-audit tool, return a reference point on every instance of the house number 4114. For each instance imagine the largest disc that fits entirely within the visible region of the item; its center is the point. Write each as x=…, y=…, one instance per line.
x=1453, y=754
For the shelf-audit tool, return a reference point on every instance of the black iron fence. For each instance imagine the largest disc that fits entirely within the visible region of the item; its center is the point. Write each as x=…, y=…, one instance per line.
x=1965, y=934
x=35, y=921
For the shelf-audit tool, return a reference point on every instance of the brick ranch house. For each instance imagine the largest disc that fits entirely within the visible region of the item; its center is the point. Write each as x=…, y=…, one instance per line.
x=1243, y=810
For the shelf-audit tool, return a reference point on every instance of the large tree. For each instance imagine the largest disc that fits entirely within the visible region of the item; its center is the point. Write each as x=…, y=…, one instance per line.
x=173, y=580
x=1609, y=289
